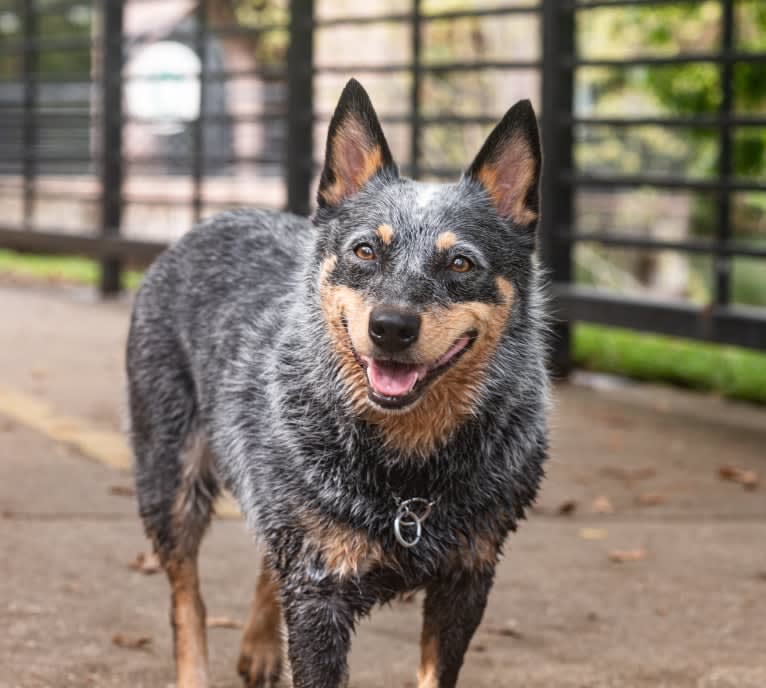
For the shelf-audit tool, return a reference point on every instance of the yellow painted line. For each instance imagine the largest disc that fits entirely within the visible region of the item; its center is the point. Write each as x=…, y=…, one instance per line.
x=105, y=446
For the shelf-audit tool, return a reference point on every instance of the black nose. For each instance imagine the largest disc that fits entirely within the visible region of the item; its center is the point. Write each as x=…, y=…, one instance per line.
x=393, y=329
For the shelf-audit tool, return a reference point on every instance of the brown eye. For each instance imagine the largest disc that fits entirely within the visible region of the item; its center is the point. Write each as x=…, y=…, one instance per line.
x=365, y=252
x=460, y=264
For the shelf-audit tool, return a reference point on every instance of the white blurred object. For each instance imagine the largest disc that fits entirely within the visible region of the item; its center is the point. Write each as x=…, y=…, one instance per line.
x=163, y=86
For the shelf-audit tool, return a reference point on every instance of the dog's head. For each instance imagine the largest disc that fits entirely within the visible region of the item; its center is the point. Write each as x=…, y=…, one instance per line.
x=418, y=281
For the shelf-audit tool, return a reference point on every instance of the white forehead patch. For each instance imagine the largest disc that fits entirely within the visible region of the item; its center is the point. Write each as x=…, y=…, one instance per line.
x=425, y=193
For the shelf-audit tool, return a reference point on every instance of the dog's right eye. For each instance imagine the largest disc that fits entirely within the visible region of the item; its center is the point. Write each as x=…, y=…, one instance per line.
x=364, y=252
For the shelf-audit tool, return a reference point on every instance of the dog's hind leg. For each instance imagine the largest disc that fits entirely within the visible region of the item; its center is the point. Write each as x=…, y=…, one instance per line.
x=449, y=627
x=176, y=486
x=190, y=516
x=187, y=617
x=260, y=659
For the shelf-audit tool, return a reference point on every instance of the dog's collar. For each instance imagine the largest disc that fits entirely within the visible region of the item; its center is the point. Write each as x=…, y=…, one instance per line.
x=411, y=513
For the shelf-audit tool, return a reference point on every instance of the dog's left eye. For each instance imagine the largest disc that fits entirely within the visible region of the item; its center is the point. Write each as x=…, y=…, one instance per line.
x=460, y=264
x=365, y=252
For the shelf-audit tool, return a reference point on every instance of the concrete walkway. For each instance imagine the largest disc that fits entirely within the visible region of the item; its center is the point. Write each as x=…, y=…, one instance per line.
x=687, y=610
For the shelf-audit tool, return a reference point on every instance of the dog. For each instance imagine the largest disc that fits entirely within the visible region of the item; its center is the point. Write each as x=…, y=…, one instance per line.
x=370, y=384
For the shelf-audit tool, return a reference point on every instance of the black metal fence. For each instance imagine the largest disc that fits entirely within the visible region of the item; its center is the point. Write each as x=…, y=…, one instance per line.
x=41, y=128
x=718, y=320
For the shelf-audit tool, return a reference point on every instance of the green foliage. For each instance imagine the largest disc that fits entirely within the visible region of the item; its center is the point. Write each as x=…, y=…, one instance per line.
x=732, y=372
x=73, y=23
x=695, y=88
x=57, y=269
x=749, y=281
x=270, y=47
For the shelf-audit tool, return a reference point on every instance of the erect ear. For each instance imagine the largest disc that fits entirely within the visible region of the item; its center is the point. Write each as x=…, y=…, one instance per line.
x=356, y=147
x=508, y=165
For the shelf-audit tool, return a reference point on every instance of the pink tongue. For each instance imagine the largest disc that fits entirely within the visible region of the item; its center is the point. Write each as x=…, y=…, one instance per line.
x=391, y=380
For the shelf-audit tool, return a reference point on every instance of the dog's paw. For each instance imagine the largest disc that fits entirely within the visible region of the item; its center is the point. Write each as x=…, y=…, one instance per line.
x=261, y=666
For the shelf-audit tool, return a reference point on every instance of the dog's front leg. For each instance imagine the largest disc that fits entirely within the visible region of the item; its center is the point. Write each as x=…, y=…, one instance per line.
x=451, y=613
x=320, y=618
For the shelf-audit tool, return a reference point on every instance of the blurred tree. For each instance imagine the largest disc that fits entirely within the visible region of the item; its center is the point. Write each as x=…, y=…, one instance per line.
x=270, y=46
x=684, y=89
x=75, y=22
x=694, y=88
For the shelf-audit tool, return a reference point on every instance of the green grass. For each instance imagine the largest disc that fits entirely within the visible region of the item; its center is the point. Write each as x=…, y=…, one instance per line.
x=66, y=269
x=732, y=372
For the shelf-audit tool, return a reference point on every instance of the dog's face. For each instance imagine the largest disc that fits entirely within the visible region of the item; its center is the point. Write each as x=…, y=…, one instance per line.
x=417, y=280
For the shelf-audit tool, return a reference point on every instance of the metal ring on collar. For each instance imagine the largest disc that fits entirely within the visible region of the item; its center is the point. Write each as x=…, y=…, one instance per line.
x=415, y=521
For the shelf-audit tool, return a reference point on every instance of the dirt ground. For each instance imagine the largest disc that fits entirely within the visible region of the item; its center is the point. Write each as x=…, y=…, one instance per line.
x=688, y=611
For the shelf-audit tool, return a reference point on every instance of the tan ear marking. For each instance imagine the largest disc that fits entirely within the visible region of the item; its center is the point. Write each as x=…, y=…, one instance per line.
x=445, y=241
x=509, y=178
x=385, y=233
x=355, y=158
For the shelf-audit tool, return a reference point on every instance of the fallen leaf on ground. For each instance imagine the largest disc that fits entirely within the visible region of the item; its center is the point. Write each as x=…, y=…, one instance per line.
x=629, y=475
x=747, y=478
x=622, y=555
x=593, y=534
x=651, y=499
x=146, y=562
x=122, y=491
x=602, y=505
x=616, y=442
x=223, y=622
x=131, y=642
x=616, y=420
x=509, y=630
x=567, y=508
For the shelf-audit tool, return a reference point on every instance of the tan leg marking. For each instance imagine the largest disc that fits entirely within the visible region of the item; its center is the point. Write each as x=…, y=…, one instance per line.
x=477, y=552
x=188, y=619
x=260, y=658
x=345, y=551
x=428, y=673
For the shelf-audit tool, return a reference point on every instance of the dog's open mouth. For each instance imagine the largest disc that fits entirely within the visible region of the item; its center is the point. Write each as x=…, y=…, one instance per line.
x=394, y=385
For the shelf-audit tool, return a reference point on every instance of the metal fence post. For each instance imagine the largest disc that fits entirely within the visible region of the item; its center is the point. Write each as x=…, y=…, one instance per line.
x=111, y=138
x=415, y=93
x=30, y=67
x=558, y=45
x=300, y=106
x=198, y=141
x=722, y=261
